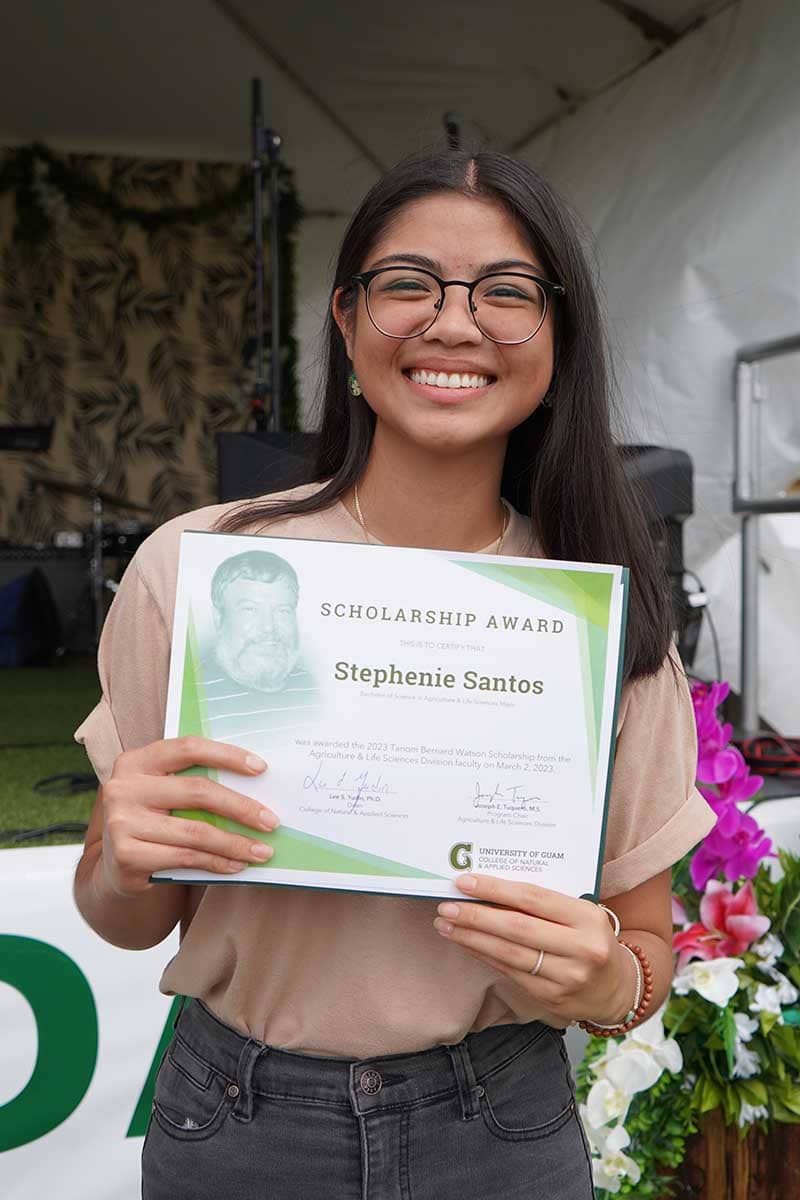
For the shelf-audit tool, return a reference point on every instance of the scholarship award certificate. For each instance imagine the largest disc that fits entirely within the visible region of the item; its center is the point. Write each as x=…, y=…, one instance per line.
x=422, y=712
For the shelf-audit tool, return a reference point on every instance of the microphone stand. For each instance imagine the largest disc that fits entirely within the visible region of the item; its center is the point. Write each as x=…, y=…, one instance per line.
x=452, y=128
x=266, y=141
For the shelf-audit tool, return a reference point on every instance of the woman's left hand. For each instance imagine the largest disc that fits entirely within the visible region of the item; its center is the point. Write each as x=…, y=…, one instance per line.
x=584, y=971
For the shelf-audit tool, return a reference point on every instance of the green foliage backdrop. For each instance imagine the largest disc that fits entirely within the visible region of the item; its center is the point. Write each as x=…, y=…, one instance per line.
x=127, y=320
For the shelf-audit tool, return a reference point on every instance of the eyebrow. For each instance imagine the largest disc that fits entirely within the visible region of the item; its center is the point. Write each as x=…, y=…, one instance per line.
x=430, y=264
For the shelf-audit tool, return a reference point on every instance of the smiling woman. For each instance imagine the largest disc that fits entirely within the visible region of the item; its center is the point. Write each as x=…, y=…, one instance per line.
x=394, y=1048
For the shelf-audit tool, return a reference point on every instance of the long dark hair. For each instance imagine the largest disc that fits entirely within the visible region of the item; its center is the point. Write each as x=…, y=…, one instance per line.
x=562, y=467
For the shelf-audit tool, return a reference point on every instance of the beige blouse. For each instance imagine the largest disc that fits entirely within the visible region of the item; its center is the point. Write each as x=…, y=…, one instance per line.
x=342, y=973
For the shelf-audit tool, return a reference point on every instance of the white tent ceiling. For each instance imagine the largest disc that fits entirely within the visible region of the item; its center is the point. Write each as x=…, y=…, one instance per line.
x=686, y=173
x=351, y=87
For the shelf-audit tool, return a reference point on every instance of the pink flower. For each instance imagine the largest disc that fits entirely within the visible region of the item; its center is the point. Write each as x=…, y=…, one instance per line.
x=735, y=846
x=741, y=785
x=679, y=913
x=729, y=923
x=706, y=698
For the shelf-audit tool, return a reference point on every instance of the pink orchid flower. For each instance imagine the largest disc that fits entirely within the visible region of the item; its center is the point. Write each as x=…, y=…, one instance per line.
x=735, y=846
x=729, y=923
x=706, y=698
x=679, y=913
x=741, y=785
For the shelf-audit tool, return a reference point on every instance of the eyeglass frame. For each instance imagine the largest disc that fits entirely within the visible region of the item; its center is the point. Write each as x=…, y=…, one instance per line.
x=548, y=287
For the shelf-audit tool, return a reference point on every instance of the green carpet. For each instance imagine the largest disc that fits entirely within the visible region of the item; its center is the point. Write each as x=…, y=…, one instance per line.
x=39, y=709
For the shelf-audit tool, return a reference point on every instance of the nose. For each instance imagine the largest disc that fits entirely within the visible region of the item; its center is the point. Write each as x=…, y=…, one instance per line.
x=266, y=622
x=454, y=324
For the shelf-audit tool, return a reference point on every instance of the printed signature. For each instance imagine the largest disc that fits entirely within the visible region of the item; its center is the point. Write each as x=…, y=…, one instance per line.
x=505, y=799
x=347, y=787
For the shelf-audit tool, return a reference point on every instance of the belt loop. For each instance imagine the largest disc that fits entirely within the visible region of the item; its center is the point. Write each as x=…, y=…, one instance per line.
x=469, y=1090
x=251, y=1052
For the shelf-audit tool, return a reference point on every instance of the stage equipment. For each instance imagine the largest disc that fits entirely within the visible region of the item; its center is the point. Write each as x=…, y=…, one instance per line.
x=665, y=479
x=255, y=464
x=452, y=127
x=30, y=631
x=65, y=572
x=266, y=142
x=771, y=754
x=749, y=394
x=31, y=439
x=98, y=498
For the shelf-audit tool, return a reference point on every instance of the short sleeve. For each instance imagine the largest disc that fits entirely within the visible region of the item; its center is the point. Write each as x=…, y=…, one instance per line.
x=133, y=665
x=656, y=813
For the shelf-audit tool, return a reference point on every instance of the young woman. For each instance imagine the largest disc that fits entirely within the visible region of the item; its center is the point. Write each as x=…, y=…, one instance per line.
x=355, y=1046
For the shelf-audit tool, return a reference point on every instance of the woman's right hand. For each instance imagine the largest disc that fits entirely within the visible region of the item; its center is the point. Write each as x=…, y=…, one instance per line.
x=141, y=836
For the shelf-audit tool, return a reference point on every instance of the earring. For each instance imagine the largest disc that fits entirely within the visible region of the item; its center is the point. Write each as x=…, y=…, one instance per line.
x=354, y=385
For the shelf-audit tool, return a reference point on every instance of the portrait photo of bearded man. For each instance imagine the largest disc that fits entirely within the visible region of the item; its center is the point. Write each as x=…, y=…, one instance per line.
x=252, y=665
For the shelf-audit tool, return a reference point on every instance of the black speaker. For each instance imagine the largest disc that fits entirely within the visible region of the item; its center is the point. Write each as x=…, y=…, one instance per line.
x=255, y=464
x=66, y=573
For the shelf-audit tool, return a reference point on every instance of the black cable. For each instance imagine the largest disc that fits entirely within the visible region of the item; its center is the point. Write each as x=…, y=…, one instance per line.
x=712, y=627
x=70, y=783
x=23, y=835
x=33, y=745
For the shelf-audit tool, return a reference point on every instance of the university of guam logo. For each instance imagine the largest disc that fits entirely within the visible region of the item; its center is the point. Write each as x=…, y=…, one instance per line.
x=461, y=856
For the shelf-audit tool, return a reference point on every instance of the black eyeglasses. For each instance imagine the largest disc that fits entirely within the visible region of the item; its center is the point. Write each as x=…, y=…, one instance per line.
x=507, y=307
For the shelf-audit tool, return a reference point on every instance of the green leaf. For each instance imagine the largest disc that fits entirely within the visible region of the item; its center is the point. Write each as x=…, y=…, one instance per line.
x=730, y=1103
x=785, y=1040
x=707, y=1094
x=754, y=1091
x=729, y=1033
x=788, y=1095
x=768, y=1021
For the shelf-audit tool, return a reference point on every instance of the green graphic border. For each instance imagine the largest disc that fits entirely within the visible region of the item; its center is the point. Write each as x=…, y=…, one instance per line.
x=294, y=850
x=586, y=595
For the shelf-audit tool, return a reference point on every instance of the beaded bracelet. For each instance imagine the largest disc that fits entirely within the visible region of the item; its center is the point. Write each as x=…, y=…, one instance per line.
x=644, y=993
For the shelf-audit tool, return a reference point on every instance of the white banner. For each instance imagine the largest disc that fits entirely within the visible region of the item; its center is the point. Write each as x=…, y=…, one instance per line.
x=82, y=1023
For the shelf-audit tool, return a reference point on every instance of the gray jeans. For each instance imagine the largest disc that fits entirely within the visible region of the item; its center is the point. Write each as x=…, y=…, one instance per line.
x=492, y=1118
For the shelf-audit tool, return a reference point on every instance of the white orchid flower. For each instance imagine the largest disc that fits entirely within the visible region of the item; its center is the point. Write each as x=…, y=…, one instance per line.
x=648, y=1037
x=746, y=1063
x=751, y=1112
x=769, y=949
x=745, y=1026
x=613, y=1165
x=665, y=1050
x=770, y=998
x=596, y=1135
x=787, y=992
x=633, y=1070
x=606, y=1103
x=766, y=999
x=714, y=979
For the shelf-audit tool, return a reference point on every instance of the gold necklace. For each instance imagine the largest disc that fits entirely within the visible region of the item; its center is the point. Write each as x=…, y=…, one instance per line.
x=363, y=524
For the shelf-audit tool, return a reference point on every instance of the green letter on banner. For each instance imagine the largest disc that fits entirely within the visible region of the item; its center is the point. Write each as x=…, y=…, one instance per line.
x=66, y=1025
x=141, y=1114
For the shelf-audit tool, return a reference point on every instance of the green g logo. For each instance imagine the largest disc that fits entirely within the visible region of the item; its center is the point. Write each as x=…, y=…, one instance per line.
x=461, y=856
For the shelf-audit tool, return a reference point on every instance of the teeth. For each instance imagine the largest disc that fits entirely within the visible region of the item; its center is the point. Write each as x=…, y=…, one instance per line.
x=443, y=380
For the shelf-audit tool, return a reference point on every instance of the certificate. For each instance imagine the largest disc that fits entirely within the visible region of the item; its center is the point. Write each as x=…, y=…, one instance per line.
x=422, y=712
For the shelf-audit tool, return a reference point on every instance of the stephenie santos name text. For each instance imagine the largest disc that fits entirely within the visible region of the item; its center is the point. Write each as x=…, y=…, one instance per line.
x=439, y=616
x=470, y=681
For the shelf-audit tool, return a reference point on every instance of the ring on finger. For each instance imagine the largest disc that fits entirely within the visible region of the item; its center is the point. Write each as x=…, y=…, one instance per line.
x=535, y=970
